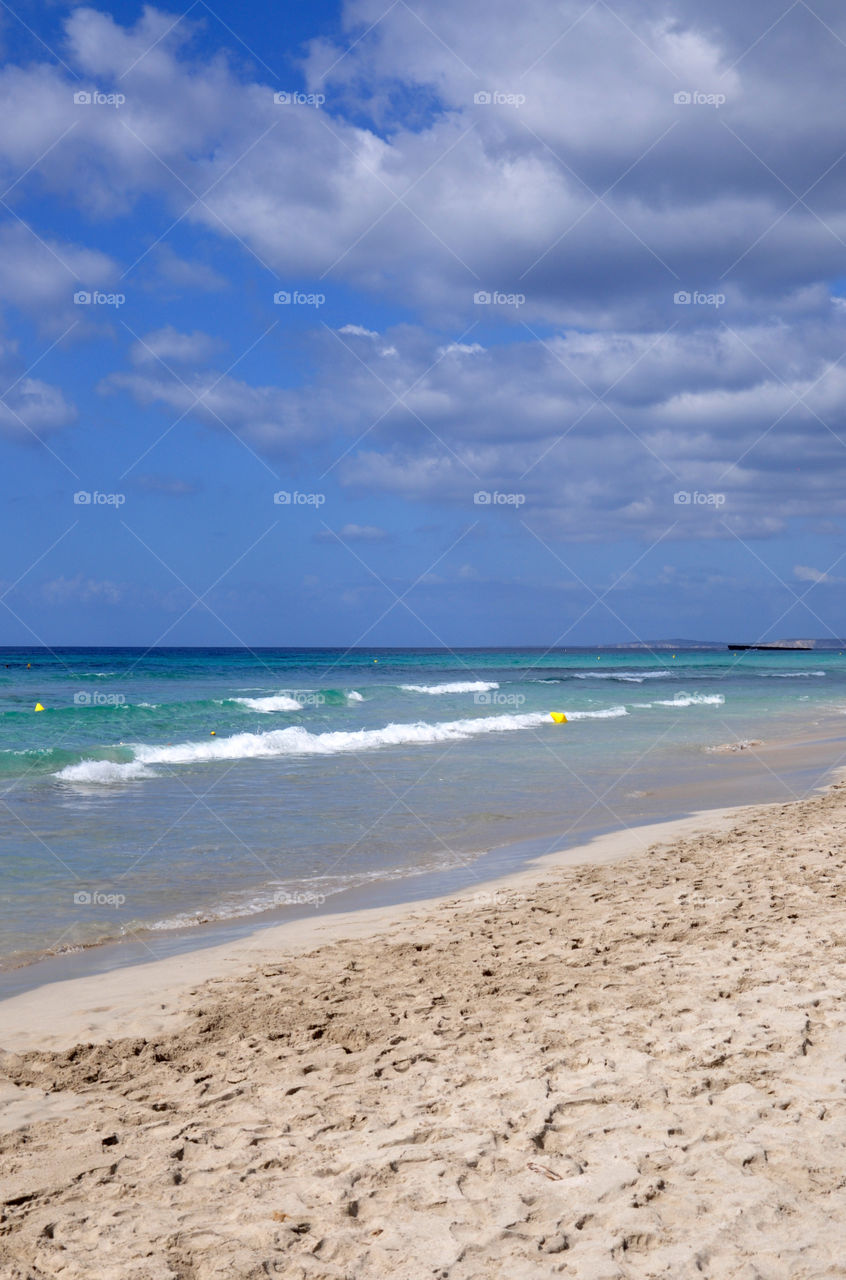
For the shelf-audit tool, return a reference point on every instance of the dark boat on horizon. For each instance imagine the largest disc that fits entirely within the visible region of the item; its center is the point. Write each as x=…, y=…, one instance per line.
x=774, y=648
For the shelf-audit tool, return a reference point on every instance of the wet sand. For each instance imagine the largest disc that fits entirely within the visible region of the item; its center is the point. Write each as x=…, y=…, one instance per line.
x=627, y=1061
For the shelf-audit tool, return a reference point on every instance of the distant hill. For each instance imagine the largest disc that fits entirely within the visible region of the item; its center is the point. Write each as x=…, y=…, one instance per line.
x=672, y=644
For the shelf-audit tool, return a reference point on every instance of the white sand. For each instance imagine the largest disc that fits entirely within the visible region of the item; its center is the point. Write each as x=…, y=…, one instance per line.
x=632, y=1067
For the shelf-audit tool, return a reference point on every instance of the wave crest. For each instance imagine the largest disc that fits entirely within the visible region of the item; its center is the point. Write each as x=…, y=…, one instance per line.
x=274, y=702
x=456, y=686
x=692, y=700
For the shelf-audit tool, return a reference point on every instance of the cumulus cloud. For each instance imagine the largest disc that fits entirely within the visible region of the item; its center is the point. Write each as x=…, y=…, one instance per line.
x=597, y=197
x=620, y=281
x=169, y=346
x=30, y=408
x=597, y=432
x=40, y=273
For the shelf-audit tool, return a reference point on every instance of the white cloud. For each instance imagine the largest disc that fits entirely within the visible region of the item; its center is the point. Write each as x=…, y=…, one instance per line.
x=469, y=196
x=599, y=432
x=461, y=349
x=805, y=573
x=612, y=397
x=40, y=273
x=29, y=407
x=169, y=346
x=83, y=590
x=362, y=533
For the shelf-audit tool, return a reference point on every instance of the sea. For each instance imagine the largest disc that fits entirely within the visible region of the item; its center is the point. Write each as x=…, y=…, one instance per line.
x=167, y=795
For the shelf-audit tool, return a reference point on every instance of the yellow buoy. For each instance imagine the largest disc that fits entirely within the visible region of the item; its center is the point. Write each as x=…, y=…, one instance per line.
x=559, y=717
x=38, y=706
x=213, y=733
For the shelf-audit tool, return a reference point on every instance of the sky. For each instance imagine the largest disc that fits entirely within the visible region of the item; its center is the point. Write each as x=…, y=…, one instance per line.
x=456, y=323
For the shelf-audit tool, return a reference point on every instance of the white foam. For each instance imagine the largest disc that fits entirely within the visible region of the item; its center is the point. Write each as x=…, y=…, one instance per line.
x=304, y=894
x=276, y=702
x=789, y=675
x=299, y=741
x=608, y=713
x=457, y=686
x=106, y=772
x=355, y=696
x=692, y=700
x=632, y=677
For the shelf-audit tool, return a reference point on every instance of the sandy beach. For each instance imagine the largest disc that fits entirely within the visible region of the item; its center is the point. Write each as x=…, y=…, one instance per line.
x=626, y=1062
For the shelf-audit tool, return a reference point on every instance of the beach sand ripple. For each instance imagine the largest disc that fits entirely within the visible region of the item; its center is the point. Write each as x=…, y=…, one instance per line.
x=633, y=1070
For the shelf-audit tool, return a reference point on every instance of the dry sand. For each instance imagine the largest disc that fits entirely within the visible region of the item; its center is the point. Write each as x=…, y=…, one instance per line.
x=629, y=1068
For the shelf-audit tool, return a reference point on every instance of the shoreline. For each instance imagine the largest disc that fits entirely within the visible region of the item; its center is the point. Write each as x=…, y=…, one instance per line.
x=143, y=996
x=618, y=1063
x=750, y=777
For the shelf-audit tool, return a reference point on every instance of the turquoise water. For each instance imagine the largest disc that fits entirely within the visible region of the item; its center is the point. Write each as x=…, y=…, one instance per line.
x=166, y=789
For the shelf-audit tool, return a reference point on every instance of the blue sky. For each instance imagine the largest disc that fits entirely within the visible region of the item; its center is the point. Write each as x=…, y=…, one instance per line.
x=581, y=259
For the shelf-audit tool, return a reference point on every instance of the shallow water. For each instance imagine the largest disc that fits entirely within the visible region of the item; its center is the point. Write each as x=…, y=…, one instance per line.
x=161, y=790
